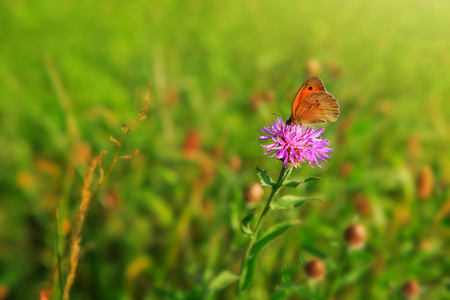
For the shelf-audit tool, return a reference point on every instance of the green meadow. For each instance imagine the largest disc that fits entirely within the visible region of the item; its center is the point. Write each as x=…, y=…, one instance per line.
x=167, y=221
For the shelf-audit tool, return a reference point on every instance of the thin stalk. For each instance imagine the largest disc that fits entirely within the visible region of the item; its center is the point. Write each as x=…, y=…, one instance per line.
x=343, y=257
x=284, y=174
x=58, y=256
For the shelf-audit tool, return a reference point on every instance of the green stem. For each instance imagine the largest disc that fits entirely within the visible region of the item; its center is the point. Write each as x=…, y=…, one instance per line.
x=245, y=279
x=342, y=263
x=284, y=174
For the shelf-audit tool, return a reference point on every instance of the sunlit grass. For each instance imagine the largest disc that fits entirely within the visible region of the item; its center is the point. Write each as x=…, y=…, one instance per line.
x=168, y=220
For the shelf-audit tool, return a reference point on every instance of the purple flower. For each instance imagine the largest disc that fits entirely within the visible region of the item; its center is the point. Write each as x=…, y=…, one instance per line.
x=295, y=144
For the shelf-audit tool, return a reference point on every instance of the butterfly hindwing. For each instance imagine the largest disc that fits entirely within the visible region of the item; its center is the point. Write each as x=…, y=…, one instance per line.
x=317, y=107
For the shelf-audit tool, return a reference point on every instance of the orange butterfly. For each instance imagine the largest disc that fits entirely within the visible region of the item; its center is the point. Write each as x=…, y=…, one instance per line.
x=313, y=104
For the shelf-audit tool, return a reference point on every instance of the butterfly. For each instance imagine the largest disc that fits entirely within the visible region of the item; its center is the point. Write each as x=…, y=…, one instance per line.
x=313, y=104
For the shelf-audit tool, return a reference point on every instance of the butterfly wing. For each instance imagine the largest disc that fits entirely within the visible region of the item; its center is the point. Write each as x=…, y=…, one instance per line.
x=317, y=107
x=312, y=85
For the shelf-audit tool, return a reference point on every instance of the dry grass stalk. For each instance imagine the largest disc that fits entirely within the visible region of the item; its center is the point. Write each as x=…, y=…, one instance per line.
x=81, y=216
x=87, y=198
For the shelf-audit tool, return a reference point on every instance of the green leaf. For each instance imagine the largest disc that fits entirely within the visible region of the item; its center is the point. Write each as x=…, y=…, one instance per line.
x=245, y=223
x=361, y=263
x=280, y=295
x=296, y=183
x=247, y=273
x=285, y=277
x=351, y=277
x=313, y=251
x=360, y=255
x=249, y=267
x=293, y=288
x=447, y=286
x=292, y=183
x=273, y=232
x=264, y=179
x=223, y=280
x=290, y=202
x=311, y=178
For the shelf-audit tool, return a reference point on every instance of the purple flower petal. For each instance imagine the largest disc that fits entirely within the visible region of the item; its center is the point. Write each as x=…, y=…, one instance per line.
x=294, y=144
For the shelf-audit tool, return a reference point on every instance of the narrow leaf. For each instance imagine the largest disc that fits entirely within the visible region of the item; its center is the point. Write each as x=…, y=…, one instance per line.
x=311, y=178
x=313, y=251
x=247, y=273
x=246, y=222
x=273, y=232
x=249, y=267
x=352, y=276
x=223, y=280
x=293, y=288
x=293, y=183
x=290, y=202
x=447, y=286
x=360, y=256
x=362, y=261
x=264, y=179
x=281, y=295
x=296, y=183
x=285, y=277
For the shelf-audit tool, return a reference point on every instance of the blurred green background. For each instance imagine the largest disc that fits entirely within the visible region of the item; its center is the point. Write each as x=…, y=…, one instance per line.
x=167, y=221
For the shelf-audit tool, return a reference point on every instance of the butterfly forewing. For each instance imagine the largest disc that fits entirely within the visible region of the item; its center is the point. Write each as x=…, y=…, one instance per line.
x=312, y=85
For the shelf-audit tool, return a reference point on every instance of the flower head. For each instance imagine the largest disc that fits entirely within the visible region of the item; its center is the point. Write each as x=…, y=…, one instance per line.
x=355, y=236
x=411, y=289
x=315, y=269
x=295, y=144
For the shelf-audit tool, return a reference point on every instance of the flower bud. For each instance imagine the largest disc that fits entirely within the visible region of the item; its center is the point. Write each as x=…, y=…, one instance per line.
x=254, y=192
x=346, y=169
x=192, y=143
x=172, y=95
x=255, y=100
x=315, y=269
x=82, y=152
x=414, y=146
x=269, y=96
x=4, y=291
x=411, y=289
x=66, y=227
x=425, y=182
x=313, y=67
x=402, y=215
x=355, y=236
x=363, y=206
x=235, y=163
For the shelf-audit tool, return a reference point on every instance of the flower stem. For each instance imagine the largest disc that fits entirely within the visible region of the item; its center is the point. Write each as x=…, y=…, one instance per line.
x=284, y=174
x=245, y=276
x=343, y=258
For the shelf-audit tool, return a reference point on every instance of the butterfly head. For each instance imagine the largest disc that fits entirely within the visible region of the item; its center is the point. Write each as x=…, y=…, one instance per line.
x=291, y=121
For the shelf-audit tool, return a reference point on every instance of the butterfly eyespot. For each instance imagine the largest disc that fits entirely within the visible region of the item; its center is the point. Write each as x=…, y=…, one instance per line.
x=310, y=88
x=317, y=101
